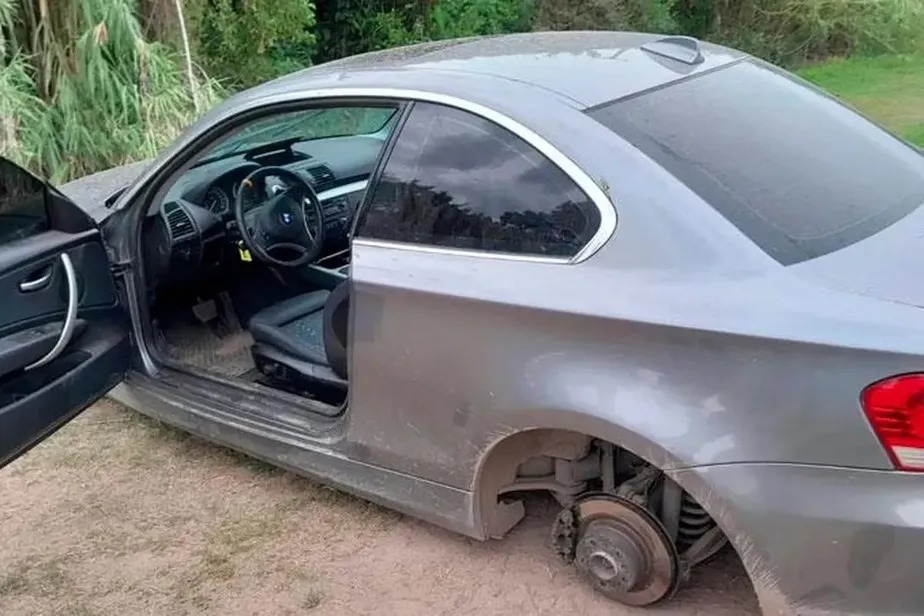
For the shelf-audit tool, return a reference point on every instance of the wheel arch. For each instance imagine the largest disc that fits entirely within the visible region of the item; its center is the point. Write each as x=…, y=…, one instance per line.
x=550, y=432
x=764, y=582
x=500, y=461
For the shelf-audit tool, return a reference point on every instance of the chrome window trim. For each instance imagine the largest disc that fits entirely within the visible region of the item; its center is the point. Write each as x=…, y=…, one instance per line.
x=462, y=252
x=340, y=191
x=596, y=194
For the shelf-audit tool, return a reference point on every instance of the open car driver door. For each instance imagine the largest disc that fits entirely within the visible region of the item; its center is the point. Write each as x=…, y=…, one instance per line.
x=64, y=338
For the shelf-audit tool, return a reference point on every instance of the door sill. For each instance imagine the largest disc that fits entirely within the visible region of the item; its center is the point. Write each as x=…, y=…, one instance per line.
x=274, y=410
x=277, y=410
x=285, y=410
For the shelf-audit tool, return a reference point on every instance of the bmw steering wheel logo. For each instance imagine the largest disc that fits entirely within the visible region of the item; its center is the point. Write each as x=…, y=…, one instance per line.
x=286, y=218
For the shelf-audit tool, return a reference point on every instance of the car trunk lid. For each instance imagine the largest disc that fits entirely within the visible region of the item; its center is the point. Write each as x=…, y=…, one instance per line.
x=888, y=265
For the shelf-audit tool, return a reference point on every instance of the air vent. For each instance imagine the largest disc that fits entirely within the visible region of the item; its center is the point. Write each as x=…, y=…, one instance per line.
x=179, y=222
x=335, y=205
x=321, y=174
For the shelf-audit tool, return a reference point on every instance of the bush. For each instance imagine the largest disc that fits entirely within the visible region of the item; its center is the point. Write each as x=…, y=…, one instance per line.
x=371, y=30
x=245, y=42
x=783, y=31
x=635, y=15
x=91, y=94
x=792, y=31
x=462, y=18
x=348, y=27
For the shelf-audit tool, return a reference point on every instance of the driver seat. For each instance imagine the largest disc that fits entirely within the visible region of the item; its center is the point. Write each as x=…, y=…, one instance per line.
x=302, y=340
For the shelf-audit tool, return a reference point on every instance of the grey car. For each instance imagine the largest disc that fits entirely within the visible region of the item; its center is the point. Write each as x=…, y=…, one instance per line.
x=673, y=286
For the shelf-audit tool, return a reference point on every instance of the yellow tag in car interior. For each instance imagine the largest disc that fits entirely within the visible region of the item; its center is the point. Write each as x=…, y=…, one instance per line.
x=245, y=254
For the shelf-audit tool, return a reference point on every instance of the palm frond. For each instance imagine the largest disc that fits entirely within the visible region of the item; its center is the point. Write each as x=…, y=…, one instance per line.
x=89, y=92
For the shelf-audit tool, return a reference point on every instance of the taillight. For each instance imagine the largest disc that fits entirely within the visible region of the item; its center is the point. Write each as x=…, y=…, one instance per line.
x=895, y=409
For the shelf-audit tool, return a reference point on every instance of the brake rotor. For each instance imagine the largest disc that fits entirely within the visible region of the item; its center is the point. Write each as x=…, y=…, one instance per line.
x=623, y=550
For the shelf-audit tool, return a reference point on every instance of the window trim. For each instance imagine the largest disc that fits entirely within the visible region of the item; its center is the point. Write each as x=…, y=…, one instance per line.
x=155, y=174
x=155, y=183
x=571, y=169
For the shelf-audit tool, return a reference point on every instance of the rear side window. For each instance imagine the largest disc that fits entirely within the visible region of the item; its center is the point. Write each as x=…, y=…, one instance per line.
x=456, y=180
x=797, y=172
x=22, y=203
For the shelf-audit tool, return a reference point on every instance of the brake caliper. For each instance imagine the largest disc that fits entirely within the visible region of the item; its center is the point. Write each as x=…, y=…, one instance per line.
x=564, y=534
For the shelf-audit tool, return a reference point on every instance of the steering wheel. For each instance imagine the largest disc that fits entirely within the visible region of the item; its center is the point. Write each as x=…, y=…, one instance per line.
x=281, y=224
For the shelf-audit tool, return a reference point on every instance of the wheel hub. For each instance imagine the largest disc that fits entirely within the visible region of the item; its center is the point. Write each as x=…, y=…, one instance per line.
x=623, y=550
x=609, y=556
x=604, y=566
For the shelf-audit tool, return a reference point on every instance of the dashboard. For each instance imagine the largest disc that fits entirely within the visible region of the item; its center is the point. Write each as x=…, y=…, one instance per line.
x=194, y=227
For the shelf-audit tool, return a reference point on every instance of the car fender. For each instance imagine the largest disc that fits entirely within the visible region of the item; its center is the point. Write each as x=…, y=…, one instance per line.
x=571, y=400
x=551, y=431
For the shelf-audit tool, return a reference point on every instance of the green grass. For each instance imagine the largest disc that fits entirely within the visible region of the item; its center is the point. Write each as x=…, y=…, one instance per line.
x=889, y=89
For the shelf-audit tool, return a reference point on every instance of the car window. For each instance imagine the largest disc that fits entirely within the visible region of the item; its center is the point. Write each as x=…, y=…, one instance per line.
x=22, y=203
x=330, y=146
x=304, y=126
x=796, y=171
x=456, y=180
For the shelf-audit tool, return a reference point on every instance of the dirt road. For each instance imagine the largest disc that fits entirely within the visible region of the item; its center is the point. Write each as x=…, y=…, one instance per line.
x=118, y=515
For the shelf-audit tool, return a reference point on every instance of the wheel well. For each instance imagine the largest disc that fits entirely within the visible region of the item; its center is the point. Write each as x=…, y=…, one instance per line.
x=568, y=464
x=510, y=466
x=501, y=466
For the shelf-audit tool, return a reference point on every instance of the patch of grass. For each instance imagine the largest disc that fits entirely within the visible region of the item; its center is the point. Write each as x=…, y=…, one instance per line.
x=241, y=534
x=226, y=546
x=889, y=89
x=915, y=134
x=35, y=577
x=312, y=599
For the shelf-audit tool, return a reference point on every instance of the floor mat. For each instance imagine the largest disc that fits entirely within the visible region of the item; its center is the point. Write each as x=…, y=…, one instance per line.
x=198, y=346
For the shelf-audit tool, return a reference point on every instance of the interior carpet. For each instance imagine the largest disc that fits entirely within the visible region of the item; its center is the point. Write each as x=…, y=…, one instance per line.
x=197, y=346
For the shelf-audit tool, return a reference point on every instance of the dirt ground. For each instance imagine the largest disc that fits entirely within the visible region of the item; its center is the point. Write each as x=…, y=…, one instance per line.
x=117, y=514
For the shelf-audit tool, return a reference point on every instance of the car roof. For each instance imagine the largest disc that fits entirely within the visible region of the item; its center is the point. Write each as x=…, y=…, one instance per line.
x=586, y=68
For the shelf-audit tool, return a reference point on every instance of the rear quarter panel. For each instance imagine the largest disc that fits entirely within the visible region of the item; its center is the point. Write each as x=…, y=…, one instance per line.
x=453, y=353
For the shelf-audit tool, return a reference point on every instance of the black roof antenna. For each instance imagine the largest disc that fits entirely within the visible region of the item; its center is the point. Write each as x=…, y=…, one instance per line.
x=681, y=48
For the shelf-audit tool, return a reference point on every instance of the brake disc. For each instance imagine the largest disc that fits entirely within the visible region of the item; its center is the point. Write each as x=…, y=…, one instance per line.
x=620, y=548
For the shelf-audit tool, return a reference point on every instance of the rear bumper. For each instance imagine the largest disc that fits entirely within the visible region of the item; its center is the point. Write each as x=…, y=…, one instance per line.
x=821, y=540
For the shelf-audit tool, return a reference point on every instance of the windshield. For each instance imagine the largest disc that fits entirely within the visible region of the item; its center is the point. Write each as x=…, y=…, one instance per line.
x=796, y=171
x=303, y=126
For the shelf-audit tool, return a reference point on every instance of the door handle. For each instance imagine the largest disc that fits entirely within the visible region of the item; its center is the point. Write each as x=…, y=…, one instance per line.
x=70, y=318
x=34, y=284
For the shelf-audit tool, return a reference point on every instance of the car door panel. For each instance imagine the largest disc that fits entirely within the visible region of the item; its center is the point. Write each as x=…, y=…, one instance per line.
x=33, y=404
x=21, y=308
x=64, y=338
x=25, y=347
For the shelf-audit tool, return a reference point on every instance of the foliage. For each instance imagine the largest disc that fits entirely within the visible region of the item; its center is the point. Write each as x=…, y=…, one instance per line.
x=347, y=27
x=372, y=30
x=249, y=41
x=461, y=18
x=87, y=84
x=637, y=15
x=783, y=31
x=86, y=91
x=791, y=31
